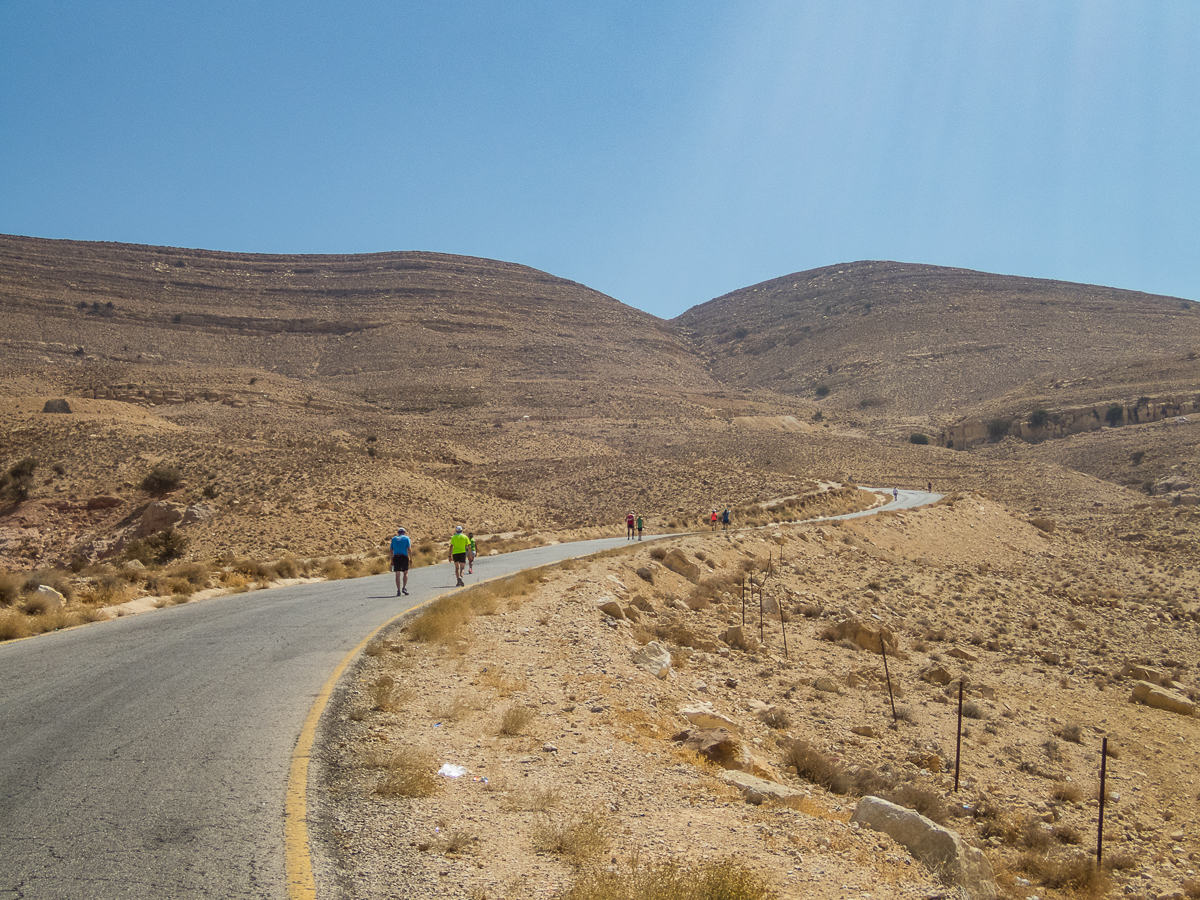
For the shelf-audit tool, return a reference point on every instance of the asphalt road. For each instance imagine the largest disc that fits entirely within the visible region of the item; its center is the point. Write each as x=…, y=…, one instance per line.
x=147, y=757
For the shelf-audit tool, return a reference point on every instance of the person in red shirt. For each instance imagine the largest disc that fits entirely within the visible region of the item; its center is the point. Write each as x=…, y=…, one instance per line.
x=629, y=523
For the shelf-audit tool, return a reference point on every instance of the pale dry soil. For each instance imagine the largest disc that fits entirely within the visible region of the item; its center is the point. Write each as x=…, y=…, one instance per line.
x=1035, y=620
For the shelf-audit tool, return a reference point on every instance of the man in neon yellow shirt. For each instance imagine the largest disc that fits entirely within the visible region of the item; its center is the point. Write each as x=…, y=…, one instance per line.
x=458, y=554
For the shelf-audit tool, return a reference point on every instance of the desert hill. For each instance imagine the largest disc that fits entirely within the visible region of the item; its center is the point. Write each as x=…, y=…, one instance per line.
x=310, y=403
x=928, y=345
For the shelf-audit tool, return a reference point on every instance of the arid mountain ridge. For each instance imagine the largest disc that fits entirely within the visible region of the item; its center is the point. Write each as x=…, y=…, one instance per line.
x=310, y=401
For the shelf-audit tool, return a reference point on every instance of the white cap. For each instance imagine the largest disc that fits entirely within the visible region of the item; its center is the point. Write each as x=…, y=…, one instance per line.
x=458, y=530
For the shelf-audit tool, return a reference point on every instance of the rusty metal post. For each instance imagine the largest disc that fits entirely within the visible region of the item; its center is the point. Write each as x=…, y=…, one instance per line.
x=888, y=676
x=783, y=628
x=958, y=736
x=1103, y=791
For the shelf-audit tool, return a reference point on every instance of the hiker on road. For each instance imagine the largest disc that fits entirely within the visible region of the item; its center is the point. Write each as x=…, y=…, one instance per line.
x=725, y=519
x=458, y=554
x=639, y=527
x=401, y=547
x=713, y=520
x=472, y=552
x=629, y=523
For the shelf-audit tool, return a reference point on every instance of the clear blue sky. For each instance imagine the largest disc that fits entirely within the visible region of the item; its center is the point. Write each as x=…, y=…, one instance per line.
x=662, y=152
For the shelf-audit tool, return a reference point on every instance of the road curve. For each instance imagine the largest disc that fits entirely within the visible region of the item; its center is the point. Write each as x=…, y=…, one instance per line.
x=146, y=757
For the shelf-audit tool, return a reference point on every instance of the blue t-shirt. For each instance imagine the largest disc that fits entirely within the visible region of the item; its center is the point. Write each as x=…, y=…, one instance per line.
x=400, y=545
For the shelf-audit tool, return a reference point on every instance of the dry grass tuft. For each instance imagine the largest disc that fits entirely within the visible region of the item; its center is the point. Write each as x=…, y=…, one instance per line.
x=515, y=720
x=385, y=696
x=579, y=838
x=408, y=772
x=1076, y=873
x=722, y=879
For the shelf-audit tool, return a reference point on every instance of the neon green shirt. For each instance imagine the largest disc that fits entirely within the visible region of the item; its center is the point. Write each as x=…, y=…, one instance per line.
x=458, y=543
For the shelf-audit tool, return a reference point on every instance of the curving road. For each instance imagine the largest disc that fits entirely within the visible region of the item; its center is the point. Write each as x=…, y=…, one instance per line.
x=147, y=757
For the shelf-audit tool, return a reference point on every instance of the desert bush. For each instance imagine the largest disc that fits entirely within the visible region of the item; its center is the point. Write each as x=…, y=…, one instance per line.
x=1039, y=418
x=158, y=548
x=973, y=710
x=918, y=438
x=1114, y=415
x=333, y=569
x=1078, y=873
x=777, y=718
x=515, y=720
x=10, y=588
x=1067, y=791
x=658, y=553
x=162, y=479
x=193, y=573
x=1065, y=834
x=383, y=694
x=17, y=481
x=1072, y=732
x=997, y=429
x=822, y=390
x=408, y=772
x=288, y=567
x=813, y=765
x=723, y=879
x=579, y=838
x=13, y=625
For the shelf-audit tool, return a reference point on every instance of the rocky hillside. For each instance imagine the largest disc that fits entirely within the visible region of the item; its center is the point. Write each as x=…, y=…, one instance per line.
x=917, y=343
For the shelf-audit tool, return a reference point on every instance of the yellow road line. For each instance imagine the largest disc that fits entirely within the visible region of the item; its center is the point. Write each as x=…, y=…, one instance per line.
x=297, y=855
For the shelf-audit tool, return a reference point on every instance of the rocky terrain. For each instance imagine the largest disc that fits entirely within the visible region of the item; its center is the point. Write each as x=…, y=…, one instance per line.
x=265, y=417
x=619, y=709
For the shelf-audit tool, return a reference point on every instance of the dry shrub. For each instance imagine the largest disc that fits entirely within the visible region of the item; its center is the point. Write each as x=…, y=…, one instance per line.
x=579, y=838
x=722, y=879
x=777, y=718
x=813, y=765
x=108, y=589
x=13, y=625
x=1077, y=873
x=383, y=694
x=924, y=800
x=659, y=553
x=457, y=840
x=1065, y=834
x=537, y=799
x=455, y=708
x=515, y=720
x=193, y=573
x=333, y=569
x=441, y=620
x=1034, y=836
x=408, y=772
x=1191, y=888
x=10, y=588
x=1067, y=791
x=1072, y=732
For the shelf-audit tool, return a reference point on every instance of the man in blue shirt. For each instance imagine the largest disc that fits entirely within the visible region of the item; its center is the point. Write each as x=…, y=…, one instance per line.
x=401, y=544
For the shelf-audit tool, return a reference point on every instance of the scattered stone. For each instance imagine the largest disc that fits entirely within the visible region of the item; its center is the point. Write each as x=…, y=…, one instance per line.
x=1160, y=698
x=704, y=716
x=959, y=653
x=939, y=848
x=612, y=609
x=827, y=685
x=654, y=658
x=757, y=790
x=864, y=731
x=936, y=674
x=646, y=574
x=870, y=637
x=678, y=563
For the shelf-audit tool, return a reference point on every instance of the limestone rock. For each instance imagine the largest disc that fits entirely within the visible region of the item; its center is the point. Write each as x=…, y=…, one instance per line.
x=757, y=790
x=717, y=744
x=678, y=563
x=50, y=597
x=1160, y=698
x=612, y=608
x=936, y=674
x=939, y=848
x=959, y=653
x=159, y=516
x=653, y=658
x=827, y=685
x=739, y=637
x=1145, y=673
x=704, y=716
x=869, y=637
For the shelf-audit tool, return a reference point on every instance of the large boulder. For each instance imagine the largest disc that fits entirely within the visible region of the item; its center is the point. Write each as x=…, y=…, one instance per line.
x=869, y=637
x=678, y=563
x=159, y=516
x=704, y=716
x=654, y=658
x=56, y=406
x=719, y=745
x=939, y=848
x=757, y=790
x=1160, y=698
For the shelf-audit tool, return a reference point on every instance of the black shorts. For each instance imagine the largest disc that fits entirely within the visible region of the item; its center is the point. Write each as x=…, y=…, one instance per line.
x=399, y=563
x=460, y=557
